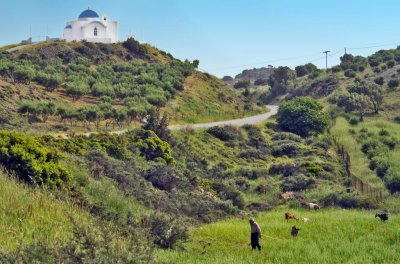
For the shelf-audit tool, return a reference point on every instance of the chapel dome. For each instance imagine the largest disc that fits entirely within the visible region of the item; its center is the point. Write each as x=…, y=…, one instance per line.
x=88, y=13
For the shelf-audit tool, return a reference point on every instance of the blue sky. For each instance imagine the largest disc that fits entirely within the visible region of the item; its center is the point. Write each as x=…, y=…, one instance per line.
x=227, y=36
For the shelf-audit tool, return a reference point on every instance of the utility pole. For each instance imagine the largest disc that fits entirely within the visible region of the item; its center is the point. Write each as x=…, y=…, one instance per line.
x=326, y=58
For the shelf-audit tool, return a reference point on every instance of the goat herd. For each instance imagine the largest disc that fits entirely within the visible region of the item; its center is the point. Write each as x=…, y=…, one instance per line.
x=313, y=206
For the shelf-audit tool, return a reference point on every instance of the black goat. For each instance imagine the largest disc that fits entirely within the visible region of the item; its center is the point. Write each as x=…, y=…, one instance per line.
x=383, y=216
x=294, y=231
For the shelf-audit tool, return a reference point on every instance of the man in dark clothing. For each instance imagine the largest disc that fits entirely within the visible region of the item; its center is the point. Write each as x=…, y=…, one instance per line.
x=255, y=234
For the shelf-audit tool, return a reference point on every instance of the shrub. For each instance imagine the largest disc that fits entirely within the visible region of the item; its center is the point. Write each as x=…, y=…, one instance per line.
x=379, y=80
x=336, y=68
x=154, y=148
x=165, y=178
x=297, y=183
x=165, y=230
x=380, y=165
x=393, y=84
x=31, y=161
x=242, y=84
x=289, y=149
x=250, y=154
x=390, y=63
x=354, y=121
x=285, y=169
x=397, y=119
x=312, y=168
x=225, y=133
x=392, y=180
x=349, y=73
x=286, y=136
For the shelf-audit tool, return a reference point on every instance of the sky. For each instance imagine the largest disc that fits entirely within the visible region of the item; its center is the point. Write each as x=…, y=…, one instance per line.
x=227, y=36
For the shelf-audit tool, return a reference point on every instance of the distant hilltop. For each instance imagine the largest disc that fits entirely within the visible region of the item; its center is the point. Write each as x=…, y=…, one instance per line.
x=251, y=75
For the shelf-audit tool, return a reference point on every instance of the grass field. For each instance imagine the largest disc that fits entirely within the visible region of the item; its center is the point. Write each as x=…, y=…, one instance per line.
x=332, y=236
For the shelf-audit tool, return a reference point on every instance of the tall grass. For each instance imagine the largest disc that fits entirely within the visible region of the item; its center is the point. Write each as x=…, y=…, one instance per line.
x=28, y=214
x=332, y=236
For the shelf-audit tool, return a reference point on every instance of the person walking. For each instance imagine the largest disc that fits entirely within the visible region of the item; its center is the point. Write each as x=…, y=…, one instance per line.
x=255, y=234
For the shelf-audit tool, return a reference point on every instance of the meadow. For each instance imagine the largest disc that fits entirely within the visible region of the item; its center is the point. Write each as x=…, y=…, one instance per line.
x=332, y=236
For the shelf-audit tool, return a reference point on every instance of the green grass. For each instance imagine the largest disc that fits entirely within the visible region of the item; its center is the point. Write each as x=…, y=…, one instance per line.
x=28, y=214
x=359, y=162
x=332, y=236
x=207, y=99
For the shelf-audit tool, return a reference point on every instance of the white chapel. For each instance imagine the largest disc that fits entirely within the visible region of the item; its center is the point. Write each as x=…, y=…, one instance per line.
x=92, y=28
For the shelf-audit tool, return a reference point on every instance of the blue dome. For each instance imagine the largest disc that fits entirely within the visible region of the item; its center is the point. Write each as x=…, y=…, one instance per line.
x=88, y=14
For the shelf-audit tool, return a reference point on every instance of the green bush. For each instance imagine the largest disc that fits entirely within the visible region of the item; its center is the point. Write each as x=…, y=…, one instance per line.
x=393, y=84
x=286, y=136
x=379, y=80
x=349, y=73
x=290, y=149
x=354, y=121
x=225, y=133
x=303, y=116
x=296, y=183
x=154, y=148
x=31, y=161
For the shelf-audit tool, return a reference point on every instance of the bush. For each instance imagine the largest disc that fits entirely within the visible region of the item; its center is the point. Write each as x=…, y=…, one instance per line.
x=165, y=178
x=393, y=84
x=287, y=136
x=380, y=165
x=242, y=84
x=349, y=73
x=165, y=230
x=225, y=133
x=154, y=148
x=392, y=180
x=379, y=80
x=285, y=169
x=289, y=149
x=397, y=119
x=30, y=160
x=354, y=121
x=297, y=183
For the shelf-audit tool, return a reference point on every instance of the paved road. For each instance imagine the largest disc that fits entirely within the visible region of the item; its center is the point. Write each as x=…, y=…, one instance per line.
x=252, y=120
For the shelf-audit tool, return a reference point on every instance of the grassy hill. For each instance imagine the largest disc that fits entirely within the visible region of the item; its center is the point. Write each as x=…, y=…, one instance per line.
x=120, y=83
x=151, y=188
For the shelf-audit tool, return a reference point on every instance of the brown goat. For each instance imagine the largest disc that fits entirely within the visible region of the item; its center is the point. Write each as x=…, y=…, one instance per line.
x=290, y=216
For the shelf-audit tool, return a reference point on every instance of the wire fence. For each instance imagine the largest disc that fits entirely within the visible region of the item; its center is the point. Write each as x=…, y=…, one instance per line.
x=358, y=184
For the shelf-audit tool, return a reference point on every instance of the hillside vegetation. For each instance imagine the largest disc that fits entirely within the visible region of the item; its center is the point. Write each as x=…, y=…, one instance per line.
x=80, y=86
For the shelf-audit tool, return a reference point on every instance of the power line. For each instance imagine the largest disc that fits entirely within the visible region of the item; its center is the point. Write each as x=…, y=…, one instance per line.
x=368, y=46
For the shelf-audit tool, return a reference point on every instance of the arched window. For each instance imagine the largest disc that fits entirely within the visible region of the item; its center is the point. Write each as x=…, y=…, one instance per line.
x=95, y=32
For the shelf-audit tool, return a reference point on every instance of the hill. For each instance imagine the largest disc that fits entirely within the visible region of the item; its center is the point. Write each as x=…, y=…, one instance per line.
x=53, y=85
x=157, y=186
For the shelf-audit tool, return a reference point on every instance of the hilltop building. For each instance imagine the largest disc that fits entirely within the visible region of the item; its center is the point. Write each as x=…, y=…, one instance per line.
x=90, y=27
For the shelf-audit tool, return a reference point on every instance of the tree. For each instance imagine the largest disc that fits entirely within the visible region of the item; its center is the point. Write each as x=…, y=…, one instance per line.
x=77, y=89
x=301, y=70
x=303, y=116
x=372, y=91
x=283, y=74
x=157, y=123
x=354, y=102
x=242, y=84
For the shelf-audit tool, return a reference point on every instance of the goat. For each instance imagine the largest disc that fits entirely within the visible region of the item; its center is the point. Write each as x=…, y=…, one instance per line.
x=313, y=206
x=290, y=216
x=294, y=231
x=383, y=216
x=305, y=220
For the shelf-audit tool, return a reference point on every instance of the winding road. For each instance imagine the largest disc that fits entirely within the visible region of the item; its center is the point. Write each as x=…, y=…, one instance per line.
x=252, y=120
